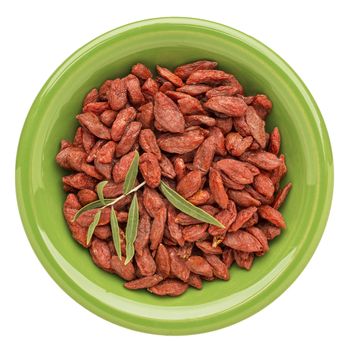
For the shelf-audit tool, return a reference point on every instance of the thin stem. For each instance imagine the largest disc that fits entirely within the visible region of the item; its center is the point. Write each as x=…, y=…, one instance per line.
x=216, y=242
x=124, y=195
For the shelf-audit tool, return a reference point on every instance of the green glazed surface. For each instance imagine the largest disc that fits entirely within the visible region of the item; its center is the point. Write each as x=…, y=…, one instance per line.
x=170, y=42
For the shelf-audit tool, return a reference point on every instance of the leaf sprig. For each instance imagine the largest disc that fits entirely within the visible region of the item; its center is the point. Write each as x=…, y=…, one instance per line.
x=133, y=215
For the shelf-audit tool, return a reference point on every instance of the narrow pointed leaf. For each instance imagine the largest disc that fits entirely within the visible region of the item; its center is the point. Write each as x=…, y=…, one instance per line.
x=92, y=205
x=115, y=233
x=99, y=188
x=131, y=174
x=93, y=226
x=131, y=229
x=186, y=207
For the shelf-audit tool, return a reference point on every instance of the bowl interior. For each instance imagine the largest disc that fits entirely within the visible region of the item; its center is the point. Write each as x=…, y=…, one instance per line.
x=170, y=42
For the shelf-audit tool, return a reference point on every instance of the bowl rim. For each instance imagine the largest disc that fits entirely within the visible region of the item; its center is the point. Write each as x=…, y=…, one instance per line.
x=144, y=325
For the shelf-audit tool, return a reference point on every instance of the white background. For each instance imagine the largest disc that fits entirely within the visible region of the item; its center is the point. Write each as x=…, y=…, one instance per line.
x=312, y=36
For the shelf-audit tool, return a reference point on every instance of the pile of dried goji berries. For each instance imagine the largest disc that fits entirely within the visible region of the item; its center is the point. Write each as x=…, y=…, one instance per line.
x=197, y=132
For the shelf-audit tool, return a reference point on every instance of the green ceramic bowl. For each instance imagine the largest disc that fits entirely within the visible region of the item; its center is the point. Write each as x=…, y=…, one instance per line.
x=170, y=42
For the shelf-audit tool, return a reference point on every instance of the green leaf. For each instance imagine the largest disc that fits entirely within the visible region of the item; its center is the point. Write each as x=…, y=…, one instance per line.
x=131, y=174
x=93, y=226
x=186, y=207
x=92, y=205
x=115, y=233
x=131, y=229
x=99, y=188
